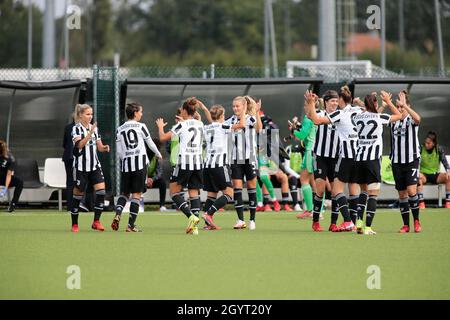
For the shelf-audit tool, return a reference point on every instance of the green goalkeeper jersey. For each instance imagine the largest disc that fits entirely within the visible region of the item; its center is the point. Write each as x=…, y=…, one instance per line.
x=307, y=133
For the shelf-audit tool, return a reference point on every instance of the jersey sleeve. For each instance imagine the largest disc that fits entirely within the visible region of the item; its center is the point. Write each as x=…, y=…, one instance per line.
x=443, y=158
x=229, y=121
x=76, y=133
x=385, y=118
x=335, y=116
x=119, y=147
x=307, y=126
x=177, y=129
x=97, y=135
x=251, y=121
x=145, y=132
x=226, y=128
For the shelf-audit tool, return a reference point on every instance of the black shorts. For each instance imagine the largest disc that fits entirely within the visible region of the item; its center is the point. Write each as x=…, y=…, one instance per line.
x=83, y=179
x=405, y=174
x=345, y=170
x=134, y=181
x=368, y=172
x=431, y=177
x=247, y=169
x=217, y=179
x=191, y=179
x=324, y=167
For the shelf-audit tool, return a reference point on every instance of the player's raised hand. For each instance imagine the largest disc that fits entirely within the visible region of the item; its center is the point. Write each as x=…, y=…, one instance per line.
x=310, y=97
x=386, y=96
x=402, y=98
x=160, y=123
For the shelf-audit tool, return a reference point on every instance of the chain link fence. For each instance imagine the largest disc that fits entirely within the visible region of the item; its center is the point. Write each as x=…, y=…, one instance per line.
x=329, y=74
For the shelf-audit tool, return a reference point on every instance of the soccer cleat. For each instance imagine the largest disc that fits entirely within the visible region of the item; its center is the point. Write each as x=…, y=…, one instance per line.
x=240, y=225
x=75, y=228
x=369, y=231
x=447, y=205
x=210, y=222
x=359, y=226
x=404, y=229
x=287, y=208
x=11, y=208
x=260, y=209
x=333, y=228
x=422, y=205
x=346, y=226
x=417, y=226
x=192, y=222
x=276, y=206
x=267, y=208
x=97, y=225
x=133, y=229
x=298, y=208
x=316, y=227
x=195, y=231
x=115, y=222
x=304, y=215
x=206, y=227
x=252, y=225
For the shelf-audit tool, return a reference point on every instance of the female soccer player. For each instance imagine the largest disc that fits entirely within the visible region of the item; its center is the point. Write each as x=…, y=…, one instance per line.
x=188, y=171
x=348, y=136
x=244, y=156
x=431, y=156
x=87, y=141
x=326, y=152
x=370, y=148
x=131, y=138
x=216, y=171
x=7, y=177
x=405, y=159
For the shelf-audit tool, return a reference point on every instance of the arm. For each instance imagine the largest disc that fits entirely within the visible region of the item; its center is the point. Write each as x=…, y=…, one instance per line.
x=8, y=178
x=163, y=136
x=205, y=111
x=153, y=147
x=310, y=109
x=443, y=159
x=307, y=126
x=102, y=147
x=81, y=143
x=259, y=125
x=396, y=115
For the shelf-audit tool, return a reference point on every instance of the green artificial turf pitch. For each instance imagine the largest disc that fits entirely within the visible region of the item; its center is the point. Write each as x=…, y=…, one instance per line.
x=281, y=259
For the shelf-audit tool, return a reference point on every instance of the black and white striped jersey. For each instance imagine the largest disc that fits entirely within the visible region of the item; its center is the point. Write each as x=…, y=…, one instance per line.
x=87, y=159
x=327, y=139
x=218, y=145
x=191, y=144
x=405, y=147
x=346, y=129
x=131, y=138
x=244, y=140
x=370, y=135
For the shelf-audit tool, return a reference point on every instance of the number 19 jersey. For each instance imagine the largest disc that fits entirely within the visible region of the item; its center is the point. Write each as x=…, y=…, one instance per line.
x=191, y=135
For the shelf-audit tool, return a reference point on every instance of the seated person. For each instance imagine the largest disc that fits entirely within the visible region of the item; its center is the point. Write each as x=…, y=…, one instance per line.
x=431, y=155
x=7, y=177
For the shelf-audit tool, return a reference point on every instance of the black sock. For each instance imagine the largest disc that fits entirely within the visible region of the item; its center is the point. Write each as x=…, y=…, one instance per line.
x=99, y=203
x=209, y=202
x=293, y=189
x=334, y=211
x=181, y=204
x=266, y=199
x=414, y=205
x=284, y=198
x=239, y=204
x=362, y=202
x=343, y=206
x=252, y=202
x=404, y=210
x=134, y=211
x=195, y=205
x=353, y=207
x=317, y=202
x=219, y=203
x=371, y=209
x=121, y=202
x=75, y=207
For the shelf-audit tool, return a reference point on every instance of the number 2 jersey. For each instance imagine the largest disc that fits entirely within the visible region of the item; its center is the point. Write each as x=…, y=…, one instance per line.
x=191, y=136
x=370, y=134
x=131, y=138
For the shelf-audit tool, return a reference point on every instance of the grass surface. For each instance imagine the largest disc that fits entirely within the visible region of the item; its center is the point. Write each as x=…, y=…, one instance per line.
x=281, y=259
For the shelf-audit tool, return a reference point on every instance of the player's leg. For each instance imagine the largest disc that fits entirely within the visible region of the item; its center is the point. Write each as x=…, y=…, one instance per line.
x=99, y=204
x=251, y=189
x=362, y=206
x=317, y=203
x=17, y=183
x=404, y=209
x=444, y=178
x=283, y=180
x=422, y=182
x=78, y=193
x=134, y=211
x=294, y=193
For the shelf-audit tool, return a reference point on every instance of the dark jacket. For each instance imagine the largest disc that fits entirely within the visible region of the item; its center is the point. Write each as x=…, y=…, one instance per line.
x=68, y=143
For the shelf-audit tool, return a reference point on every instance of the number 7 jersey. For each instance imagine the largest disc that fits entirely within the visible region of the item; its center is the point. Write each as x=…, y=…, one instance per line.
x=191, y=136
